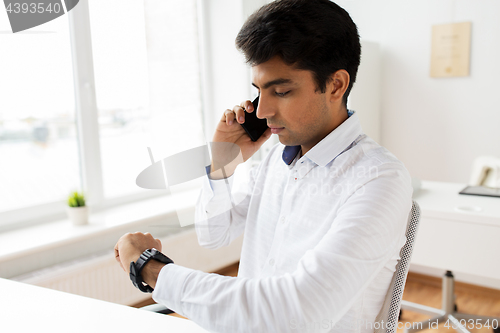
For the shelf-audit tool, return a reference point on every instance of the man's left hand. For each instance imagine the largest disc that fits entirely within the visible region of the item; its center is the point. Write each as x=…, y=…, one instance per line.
x=130, y=247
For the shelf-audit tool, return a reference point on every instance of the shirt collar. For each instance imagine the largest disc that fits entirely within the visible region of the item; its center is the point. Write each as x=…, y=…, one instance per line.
x=289, y=153
x=331, y=145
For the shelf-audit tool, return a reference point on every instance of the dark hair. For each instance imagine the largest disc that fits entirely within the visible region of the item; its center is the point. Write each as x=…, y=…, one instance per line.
x=315, y=35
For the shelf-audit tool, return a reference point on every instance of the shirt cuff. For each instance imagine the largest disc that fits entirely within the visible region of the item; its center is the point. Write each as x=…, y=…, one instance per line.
x=218, y=199
x=169, y=285
x=221, y=184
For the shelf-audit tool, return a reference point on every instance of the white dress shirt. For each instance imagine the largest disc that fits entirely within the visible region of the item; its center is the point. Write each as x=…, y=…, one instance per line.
x=322, y=237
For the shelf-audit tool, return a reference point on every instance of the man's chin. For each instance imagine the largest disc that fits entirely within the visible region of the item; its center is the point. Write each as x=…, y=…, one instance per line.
x=284, y=140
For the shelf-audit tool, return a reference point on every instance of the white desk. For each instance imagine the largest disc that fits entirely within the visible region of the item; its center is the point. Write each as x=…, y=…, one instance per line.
x=458, y=232
x=25, y=308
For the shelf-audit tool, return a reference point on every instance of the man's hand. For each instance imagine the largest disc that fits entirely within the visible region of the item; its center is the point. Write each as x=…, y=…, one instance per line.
x=229, y=130
x=130, y=247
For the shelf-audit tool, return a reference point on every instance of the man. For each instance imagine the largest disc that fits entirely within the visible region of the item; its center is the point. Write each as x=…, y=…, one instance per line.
x=324, y=214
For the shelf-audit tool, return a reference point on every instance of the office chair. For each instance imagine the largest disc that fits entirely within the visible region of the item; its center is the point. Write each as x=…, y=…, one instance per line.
x=448, y=313
x=388, y=316
x=391, y=308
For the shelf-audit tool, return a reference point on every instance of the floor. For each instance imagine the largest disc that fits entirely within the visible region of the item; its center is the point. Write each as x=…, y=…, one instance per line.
x=426, y=290
x=469, y=299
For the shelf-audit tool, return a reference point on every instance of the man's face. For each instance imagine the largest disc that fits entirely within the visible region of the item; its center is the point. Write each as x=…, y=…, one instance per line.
x=294, y=110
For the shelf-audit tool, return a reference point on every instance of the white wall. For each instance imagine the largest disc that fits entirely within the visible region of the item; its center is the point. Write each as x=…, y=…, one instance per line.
x=227, y=77
x=365, y=94
x=435, y=126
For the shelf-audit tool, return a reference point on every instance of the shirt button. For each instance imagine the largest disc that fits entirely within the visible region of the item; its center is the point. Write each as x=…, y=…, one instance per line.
x=283, y=219
x=271, y=262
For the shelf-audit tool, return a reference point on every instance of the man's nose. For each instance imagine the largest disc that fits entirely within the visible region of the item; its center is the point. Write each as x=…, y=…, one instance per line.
x=265, y=108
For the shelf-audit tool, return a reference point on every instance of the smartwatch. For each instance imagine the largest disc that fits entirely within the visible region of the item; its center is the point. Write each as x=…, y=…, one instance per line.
x=136, y=268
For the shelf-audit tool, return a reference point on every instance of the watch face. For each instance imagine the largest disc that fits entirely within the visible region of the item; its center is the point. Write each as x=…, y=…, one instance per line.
x=163, y=258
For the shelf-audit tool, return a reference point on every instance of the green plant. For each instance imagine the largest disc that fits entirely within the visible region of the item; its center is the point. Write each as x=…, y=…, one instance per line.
x=76, y=199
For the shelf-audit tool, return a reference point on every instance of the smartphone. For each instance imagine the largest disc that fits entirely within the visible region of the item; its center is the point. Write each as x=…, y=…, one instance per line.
x=254, y=126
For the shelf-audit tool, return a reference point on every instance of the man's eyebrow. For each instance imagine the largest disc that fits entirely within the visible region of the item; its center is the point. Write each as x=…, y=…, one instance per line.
x=273, y=83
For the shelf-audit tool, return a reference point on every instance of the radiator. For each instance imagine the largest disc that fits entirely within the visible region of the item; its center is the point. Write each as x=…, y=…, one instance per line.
x=101, y=277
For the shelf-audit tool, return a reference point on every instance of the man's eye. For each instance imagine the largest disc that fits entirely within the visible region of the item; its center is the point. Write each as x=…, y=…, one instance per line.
x=281, y=94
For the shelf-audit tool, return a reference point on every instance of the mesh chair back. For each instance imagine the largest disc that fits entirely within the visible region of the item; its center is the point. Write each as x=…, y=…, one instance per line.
x=392, y=303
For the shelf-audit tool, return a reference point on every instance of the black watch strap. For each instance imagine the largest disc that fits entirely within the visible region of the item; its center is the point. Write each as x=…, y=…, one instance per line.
x=136, y=268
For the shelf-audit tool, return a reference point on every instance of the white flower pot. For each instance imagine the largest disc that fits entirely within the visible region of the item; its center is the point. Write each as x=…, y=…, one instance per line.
x=78, y=215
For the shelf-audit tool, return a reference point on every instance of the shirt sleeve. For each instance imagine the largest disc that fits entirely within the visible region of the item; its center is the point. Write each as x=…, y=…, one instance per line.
x=366, y=233
x=221, y=210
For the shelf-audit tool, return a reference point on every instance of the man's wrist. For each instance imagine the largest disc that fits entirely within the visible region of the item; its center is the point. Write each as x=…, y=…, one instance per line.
x=221, y=173
x=144, y=272
x=150, y=272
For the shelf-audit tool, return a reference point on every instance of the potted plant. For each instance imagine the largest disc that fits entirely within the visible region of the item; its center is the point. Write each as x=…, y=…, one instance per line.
x=77, y=210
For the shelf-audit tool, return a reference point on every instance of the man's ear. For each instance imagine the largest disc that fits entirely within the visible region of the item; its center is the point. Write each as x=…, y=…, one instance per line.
x=337, y=85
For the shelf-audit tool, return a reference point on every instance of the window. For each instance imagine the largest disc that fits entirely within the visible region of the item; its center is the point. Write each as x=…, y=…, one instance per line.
x=146, y=69
x=147, y=85
x=38, y=147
